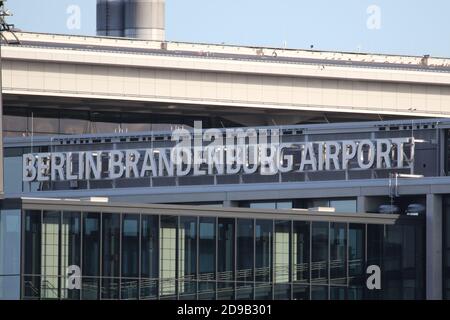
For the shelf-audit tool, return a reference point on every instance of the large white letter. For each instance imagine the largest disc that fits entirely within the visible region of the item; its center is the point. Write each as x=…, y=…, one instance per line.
x=57, y=163
x=332, y=156
x=94, y=166
x=308, y=157
x=116, y=161
x=348, y=153
x=383, y=155
x=131, y=161
x=370, y=154
x=28, y=168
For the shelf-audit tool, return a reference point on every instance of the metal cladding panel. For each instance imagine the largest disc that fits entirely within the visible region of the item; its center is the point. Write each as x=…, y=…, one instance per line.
x=110, y=17
x=145, y=19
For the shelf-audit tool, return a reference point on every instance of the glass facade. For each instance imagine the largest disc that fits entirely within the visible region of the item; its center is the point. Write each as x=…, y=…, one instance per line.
x=10, y=242
x=141, y=256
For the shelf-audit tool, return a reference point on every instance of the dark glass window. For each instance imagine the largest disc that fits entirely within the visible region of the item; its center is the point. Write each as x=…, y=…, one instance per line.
x=149, y=257
x=300, y=251
x=130, y=245
x=187, y=257
x=111, y=244
x=393, y=262
x=319, y=293
x=91, y=244
x=319, y=256
x=71, y=249
x=300, y=292
x=225, y=258
x=130, y=256
x=338, y=253
x=207, y=258
x=111, y=255
x=91, y=255
x=356, y=253
x=245, y=250
x=32, y=263
x=264, y=251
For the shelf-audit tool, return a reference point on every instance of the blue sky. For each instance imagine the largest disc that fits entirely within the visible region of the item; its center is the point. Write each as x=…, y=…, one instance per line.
x=413, y=27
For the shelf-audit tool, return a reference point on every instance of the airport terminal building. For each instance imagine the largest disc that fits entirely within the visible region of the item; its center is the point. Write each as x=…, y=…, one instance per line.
x=95, y=207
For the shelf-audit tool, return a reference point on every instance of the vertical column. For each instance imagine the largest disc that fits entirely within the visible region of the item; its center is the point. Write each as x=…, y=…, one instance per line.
x=362, y=204
x=434, y=247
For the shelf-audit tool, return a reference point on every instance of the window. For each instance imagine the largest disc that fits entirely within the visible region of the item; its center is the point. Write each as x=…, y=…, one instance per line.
x=130, y=256
x=149, y=257
x=338, y=253
x=225, y=258
x=281, y=251
x=187, y=257
x=264, y=251
x=300, y=251
x=70, y=249
x=207, y=258
x=319, y=258
x=111, y=255
x=91, y=255
x=245, y=250
x=10, y=254
x=168, y=253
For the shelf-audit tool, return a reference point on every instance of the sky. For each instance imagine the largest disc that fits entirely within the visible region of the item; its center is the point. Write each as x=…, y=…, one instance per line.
x=406, y=27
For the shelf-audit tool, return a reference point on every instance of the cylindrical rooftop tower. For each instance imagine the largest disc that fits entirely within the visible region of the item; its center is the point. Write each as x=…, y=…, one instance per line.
x=145, y=19
x=110, y=18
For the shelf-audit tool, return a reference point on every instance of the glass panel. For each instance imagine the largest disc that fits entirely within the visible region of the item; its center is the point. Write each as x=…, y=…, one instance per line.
x=337, y=293
x=129, y=289
x=187, y=256
x=300, y=251
x=319, y=293
x=281, y=250
x=338, y=255
x=110, y=288
x=207, y=258
x=282, y=292
x=89, y=288
x=149, y=257
x=356, y=248
x=10, y=254
x=263, y=205
x=91, y=244
x=344, y=206
x=43, y=121
x=111, y=254
x=31, y=287
x=70, y=250
x=244, y=291
x=319, y=257
x=225, y=290
x=245, y=252
x=226, y=249
x=284, y=204
x=207, y=290
x=50, y=255
x=263, y=291
x=32, y=265
x=111, y=244
x=392, y=268
x=300, y=292
x=168, y=253
x=130, y=245
x=263, y=254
